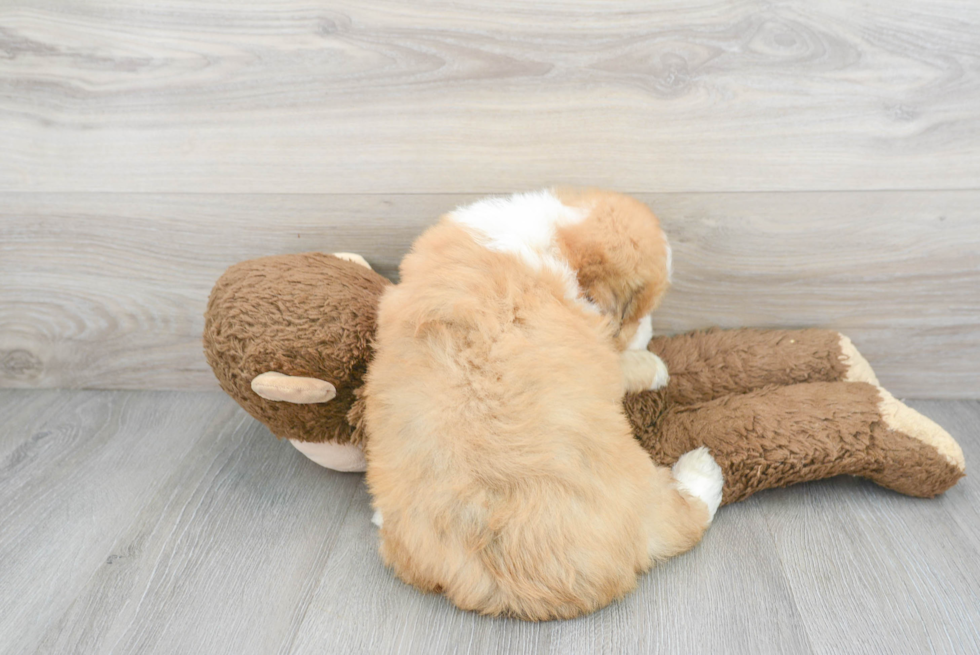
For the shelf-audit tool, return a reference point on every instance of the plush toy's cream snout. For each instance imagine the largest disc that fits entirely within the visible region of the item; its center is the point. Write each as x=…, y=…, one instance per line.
x=271, y=385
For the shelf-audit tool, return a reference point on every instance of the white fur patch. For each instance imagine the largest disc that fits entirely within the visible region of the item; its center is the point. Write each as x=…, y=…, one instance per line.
x=524, y=224
x=698, y=474
x=662, y=377
x=642, y=370
x=377, y=519
x=644, y=332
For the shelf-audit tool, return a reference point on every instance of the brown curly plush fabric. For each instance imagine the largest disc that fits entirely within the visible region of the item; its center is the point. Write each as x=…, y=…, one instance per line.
x=712, y=363
x=774, y=409
x=310, y=315
x=772, y=406
x=780, y=435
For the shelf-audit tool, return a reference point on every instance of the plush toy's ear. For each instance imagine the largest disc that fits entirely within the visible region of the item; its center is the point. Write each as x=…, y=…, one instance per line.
x=353, y=257
x=293, y=388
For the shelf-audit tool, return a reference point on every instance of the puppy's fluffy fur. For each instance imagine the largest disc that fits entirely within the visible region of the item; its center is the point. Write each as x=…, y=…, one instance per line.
x=500, y=458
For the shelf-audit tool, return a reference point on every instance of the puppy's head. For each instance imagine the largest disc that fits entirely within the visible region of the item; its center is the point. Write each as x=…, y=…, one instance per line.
x=620, y=256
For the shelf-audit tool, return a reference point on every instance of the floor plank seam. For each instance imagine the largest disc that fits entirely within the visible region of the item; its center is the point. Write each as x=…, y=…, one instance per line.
x=119, y=541
x=786, y=579
x=502, y=191
x=314, y=583
x=177, y=521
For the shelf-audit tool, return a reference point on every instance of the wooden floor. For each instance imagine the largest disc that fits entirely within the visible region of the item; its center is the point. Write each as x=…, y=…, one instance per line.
x=168, y=522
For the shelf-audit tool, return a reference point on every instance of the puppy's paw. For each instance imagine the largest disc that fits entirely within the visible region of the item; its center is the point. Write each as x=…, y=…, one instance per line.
x=698, y=474
x=643, y=371
x=662, y=377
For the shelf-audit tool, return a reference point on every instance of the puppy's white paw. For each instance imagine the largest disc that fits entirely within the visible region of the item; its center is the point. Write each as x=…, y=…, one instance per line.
x=377, y=519
x=662, y=377
x=698, y=474
x=643, y=371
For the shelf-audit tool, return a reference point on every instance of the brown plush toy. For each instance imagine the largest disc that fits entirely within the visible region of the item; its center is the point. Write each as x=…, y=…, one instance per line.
x=289, y=338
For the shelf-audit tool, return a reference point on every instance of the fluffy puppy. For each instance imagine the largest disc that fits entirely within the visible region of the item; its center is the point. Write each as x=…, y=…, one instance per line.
x=500, y=458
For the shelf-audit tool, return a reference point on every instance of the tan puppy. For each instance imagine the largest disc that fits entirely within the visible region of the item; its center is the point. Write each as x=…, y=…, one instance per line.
x=500, y=458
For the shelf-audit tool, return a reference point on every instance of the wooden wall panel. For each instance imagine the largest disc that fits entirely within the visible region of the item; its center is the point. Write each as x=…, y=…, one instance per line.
x=448, y=97
x=108, y=290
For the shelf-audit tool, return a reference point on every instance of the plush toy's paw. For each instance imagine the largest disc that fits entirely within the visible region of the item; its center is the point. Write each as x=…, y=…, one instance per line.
x=346, y=458
x=292, y=388
x=858, y=368
x=352, y=257
x=698, y=474
x=901, y=418
x=643, y=371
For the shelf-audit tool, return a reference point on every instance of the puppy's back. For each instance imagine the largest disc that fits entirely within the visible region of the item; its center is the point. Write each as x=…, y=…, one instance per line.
x=499, y=454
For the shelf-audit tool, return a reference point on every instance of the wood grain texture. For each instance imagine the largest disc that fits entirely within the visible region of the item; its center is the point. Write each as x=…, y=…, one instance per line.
x=387, y=96
x=709, y=584
x=961, y=419
x=73, y=483
x=222, y=560
x=109, y=290
x=860, y=558
x=27, y=410
x=161, y=522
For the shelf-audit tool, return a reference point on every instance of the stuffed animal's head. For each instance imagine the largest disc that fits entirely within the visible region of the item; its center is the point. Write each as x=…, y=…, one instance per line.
x=310, y=316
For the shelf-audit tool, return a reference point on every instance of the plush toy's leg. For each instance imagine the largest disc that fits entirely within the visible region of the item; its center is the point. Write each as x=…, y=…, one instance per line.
x=779, y=436
x=716, y=363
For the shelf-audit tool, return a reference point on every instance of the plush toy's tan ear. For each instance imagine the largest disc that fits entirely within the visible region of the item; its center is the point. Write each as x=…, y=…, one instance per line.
x=352, y=257
x=293, y=389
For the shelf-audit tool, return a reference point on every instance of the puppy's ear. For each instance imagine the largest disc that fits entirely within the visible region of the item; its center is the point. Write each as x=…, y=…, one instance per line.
x=626, y=303
x=590, y=261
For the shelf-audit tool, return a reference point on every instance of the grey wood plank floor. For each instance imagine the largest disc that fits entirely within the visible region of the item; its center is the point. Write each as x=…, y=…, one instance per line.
x=170, y=522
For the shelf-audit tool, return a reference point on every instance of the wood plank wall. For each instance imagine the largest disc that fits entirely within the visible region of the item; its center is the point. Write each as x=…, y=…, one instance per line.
x=815, y=163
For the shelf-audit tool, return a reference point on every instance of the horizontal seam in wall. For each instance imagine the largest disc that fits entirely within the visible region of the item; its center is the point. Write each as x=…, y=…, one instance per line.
x=467, y=193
